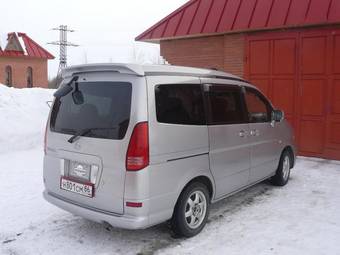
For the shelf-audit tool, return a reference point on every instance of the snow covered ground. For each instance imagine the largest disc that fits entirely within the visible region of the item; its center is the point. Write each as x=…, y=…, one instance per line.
x=301, y=218
x=22, y=117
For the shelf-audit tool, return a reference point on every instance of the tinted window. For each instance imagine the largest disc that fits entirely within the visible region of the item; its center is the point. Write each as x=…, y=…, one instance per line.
x=106, y=110
x=180, y=104
x=225, y=103
x=259, y=109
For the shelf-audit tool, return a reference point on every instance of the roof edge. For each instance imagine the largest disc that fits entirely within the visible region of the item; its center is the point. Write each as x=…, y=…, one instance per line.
x=175, y=12
x=48, y=54
x=133, y=69
x=158, y=40
x=145, y=70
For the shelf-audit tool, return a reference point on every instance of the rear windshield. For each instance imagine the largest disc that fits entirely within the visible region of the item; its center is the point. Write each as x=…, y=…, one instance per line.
x=105, y=111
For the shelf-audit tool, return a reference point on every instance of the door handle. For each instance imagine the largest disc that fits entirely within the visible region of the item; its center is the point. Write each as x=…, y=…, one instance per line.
x=254, y=132
x=242, y=134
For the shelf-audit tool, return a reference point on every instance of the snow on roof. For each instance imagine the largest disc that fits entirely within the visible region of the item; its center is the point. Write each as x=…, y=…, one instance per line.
x=21, y=45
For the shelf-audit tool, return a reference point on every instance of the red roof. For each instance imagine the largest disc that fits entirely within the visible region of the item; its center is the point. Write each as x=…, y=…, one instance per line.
x=12, y=53
x=33, y=49
x=199, y=17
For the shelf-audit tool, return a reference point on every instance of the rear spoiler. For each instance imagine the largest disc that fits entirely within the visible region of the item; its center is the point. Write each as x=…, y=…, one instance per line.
x=130, y=69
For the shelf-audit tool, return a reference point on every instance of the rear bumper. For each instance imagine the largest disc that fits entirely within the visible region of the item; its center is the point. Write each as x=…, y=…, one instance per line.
x=115, y=220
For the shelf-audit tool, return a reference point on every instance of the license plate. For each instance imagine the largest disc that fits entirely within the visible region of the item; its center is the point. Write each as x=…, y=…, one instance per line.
x=83, y=189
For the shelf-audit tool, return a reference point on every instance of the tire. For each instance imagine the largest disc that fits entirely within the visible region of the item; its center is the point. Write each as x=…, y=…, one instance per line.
x=194, y=202
x=282, y=175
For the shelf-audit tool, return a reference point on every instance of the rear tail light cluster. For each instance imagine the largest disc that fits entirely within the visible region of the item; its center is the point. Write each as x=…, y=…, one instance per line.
x=137, y=156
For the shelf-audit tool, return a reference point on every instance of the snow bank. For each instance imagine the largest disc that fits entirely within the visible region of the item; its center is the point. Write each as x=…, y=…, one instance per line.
x=23, y=114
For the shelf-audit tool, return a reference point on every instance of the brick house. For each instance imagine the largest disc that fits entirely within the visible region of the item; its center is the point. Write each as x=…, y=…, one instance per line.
x=290, y=49
x=23, y=62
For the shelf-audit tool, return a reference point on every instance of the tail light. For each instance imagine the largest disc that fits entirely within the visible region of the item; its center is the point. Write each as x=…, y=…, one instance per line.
x=45, y=139
x=133, y=204
x=137, y=156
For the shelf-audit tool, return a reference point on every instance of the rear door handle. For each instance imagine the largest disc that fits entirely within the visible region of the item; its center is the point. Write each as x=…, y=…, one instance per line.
x=242, y=134
x=254, y=132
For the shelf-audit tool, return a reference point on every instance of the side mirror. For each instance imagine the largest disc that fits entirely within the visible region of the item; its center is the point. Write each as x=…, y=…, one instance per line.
x=278, y=115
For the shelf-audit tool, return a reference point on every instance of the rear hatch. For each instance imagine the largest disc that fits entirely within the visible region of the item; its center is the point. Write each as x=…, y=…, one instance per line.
x=88, y=136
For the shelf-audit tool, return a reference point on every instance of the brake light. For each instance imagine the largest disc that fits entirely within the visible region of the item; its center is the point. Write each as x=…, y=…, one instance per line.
x=137, y=156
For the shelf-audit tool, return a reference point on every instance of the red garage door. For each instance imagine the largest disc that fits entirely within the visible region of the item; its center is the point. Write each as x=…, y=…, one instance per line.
x=300, y=72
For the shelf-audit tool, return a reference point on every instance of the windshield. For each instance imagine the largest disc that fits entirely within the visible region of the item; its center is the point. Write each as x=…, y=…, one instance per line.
x=105, y=111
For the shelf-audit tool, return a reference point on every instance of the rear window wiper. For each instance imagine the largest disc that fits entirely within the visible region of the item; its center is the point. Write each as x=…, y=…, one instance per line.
x=85, y=132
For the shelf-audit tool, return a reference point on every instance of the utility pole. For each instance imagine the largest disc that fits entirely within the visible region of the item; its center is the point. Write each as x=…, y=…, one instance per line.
x=63, y=44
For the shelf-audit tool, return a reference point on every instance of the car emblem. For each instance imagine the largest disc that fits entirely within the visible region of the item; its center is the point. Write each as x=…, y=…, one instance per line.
x=80, y=171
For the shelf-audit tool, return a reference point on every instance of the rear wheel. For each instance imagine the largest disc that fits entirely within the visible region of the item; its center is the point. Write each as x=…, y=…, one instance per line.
x=281, y=177
x=191, y=211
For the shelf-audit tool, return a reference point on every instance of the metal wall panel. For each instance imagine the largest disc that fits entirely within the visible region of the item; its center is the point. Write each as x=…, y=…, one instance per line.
x=199, y=17
x=300, y=72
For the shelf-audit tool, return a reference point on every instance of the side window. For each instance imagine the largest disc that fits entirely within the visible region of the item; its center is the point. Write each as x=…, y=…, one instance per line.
x=8, y=76
x=180, y=104
x=225, y=105
x=29, y=76
x=259, y=109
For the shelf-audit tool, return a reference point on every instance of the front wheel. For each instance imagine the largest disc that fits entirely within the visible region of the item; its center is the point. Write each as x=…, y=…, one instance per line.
x=191, y=211
x=283, y=171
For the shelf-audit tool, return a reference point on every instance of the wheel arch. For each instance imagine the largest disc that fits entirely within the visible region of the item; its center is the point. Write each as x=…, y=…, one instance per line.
x=204, y=180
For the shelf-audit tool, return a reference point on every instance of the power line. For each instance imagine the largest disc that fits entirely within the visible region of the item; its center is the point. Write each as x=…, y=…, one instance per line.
x=63, y=44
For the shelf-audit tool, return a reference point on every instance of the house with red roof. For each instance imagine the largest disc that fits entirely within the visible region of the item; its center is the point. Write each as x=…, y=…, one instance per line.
x=23, y=62
x=290, y=49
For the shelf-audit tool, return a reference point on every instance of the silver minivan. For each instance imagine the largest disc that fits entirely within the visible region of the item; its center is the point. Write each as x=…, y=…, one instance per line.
x=134, y=146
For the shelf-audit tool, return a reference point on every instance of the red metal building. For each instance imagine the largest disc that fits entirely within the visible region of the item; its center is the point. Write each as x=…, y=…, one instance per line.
x=23, y=62
x=290, y=49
